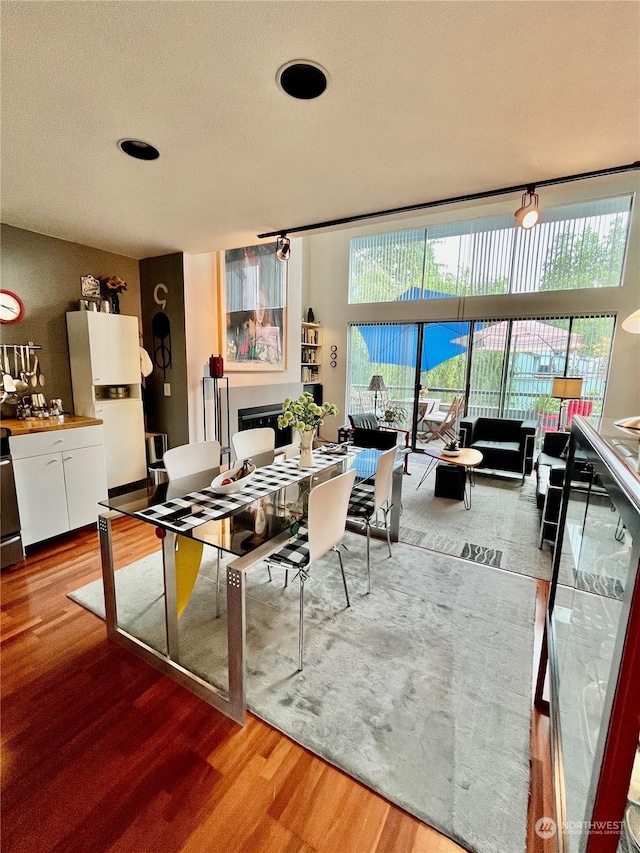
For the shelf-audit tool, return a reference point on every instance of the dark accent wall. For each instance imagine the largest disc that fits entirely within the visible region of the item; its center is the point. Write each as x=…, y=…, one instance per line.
x=164, y=340
x=45, y=273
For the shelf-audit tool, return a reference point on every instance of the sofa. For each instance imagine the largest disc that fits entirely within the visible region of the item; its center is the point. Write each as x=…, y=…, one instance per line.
x=506, y=444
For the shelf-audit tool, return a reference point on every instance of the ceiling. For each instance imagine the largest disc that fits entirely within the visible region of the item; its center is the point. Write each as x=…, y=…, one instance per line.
x=426, y=100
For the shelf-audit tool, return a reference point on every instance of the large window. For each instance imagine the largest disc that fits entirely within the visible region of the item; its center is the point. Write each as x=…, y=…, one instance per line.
x=503, y=368
x=575, y=246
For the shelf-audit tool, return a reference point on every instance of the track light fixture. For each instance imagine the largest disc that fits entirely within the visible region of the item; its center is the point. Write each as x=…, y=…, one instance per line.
x=528, y=214
x=283, y=247
x=427, y=205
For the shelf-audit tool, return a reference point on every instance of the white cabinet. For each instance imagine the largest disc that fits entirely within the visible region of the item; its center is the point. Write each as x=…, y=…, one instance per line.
x=124, y=446
x=60, y=477
x=108, y=346
x=104, y=350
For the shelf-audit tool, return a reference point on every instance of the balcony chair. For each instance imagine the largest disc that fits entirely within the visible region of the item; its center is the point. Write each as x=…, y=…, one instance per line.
x=325, y=526
x=367, y=431
x=367, y=499
x=506, y=444
x=578, y=407
x=182, y=462
x=442, y=424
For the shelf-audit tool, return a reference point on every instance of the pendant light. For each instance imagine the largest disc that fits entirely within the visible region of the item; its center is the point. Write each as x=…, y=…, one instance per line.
x=528, y=214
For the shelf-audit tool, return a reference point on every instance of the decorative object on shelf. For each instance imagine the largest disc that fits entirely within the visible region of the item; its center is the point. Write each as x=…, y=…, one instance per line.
x=310, y=317
x=377, y=386
x=89, y=286
x=394, y=414
x=112, y=287
x=306, y=417
x=11, y=307
x=216, y=366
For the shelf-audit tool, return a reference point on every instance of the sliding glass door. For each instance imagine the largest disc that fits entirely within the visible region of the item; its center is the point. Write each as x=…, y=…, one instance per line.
x=502, y=368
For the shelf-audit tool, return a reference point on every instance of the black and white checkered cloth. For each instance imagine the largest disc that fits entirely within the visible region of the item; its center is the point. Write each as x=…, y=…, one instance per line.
x=192, y=510
x=294, y=554
x=361, y=500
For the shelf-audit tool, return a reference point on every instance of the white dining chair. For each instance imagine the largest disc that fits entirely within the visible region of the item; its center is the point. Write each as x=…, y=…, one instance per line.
x=323, y=532
x=179, y=462
x=191, y=458
x=251, y=443
x=367, y=499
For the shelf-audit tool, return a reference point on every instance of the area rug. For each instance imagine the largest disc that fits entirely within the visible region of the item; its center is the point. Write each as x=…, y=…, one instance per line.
x=421, y=690
x=501, y=529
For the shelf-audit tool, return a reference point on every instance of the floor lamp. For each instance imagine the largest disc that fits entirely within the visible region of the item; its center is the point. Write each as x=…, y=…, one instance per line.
x=376, y=385
x=566, y=388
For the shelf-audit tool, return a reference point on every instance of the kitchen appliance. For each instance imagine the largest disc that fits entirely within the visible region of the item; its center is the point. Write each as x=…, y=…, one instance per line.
x=156, y=446
x=11, y=550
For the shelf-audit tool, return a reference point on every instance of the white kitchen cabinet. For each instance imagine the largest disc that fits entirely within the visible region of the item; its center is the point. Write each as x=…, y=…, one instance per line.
x=104, y=351
x=108, y=346
x=60, y=477
x=124, y=445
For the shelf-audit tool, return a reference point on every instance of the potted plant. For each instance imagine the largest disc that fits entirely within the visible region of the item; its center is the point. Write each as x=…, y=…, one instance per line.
x=394, y=414
x=305, y=416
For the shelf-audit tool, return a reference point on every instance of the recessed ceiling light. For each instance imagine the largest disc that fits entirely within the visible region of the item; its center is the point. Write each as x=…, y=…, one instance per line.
x=138, y=149
x=302, y=79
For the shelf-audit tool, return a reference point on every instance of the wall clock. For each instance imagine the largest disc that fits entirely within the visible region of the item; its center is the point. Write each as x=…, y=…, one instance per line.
x=11, y=307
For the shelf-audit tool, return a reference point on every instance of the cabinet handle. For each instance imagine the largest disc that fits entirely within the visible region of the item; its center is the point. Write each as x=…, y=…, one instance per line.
x=52, y=461
x=59, y=441
x=67, y=458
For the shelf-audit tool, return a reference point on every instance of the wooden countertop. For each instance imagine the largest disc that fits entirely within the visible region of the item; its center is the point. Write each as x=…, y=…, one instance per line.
x=31, y=425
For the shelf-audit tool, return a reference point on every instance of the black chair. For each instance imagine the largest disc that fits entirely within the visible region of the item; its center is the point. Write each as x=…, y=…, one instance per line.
x=368, y=432
x=506, y=444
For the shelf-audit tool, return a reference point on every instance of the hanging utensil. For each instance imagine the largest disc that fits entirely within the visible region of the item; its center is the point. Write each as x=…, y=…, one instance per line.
x=40, y=379
x=20, y=384
x=7, y=379
x=33, y=379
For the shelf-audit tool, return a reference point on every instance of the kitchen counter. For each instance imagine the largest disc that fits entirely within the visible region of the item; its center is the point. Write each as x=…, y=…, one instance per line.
x=33, y=425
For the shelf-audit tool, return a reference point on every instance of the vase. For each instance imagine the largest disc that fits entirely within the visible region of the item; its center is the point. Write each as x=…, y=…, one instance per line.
x=115, y=303
x=306, y=448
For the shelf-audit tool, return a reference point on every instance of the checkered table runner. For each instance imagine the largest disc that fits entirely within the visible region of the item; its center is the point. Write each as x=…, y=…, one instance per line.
x=183, y=514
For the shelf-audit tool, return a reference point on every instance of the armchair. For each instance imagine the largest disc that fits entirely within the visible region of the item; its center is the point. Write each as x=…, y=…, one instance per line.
x=506, y=444
x=368, y=432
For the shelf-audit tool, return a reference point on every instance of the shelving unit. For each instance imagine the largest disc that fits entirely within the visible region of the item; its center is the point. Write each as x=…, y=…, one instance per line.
x=311, y=353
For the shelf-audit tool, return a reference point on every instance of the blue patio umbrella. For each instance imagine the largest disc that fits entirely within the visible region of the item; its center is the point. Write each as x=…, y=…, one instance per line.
x=397, y=343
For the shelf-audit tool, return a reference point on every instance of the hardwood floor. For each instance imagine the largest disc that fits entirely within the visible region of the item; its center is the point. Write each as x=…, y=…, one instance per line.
x=101, y=752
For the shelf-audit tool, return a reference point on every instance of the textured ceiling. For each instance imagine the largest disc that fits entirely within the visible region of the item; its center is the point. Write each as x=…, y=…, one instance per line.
x=426, y=100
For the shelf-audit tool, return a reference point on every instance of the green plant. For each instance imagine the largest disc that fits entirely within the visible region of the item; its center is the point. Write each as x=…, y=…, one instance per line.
x=394, y=414
x=304, y=414
x=545, y=405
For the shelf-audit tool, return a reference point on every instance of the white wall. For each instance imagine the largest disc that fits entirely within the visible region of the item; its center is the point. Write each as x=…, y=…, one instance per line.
x=201, y=330
x=328, y=270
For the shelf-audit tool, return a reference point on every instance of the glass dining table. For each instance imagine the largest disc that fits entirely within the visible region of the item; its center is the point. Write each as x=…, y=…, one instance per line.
x=142, y=601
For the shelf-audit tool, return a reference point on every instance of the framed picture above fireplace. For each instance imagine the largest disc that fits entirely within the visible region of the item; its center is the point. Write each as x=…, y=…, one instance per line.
x=254, y=306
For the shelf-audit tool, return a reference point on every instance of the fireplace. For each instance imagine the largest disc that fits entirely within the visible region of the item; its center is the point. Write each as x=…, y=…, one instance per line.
x=264, y=416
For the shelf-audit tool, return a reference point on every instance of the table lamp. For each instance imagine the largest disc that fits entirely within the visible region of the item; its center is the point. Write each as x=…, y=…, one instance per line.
x=376, y=385
x=566, y=388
